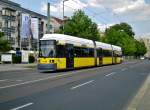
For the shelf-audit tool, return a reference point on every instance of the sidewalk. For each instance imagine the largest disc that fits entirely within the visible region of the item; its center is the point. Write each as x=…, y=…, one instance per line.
x=15, y=67
x=142, y=100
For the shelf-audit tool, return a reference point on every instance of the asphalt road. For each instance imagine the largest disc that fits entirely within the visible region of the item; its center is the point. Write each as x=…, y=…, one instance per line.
x=101, y=88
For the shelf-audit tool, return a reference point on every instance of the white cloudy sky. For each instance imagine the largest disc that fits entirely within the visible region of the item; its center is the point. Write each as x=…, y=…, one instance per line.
x=104, y=12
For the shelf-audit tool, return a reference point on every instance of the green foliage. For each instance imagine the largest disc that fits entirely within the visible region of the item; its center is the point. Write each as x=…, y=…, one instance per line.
x=31, y=59
x=124, y=27
x=121, y=35
x=16, y=59
x=141, y=48
x=82, y=26
x=4, y=44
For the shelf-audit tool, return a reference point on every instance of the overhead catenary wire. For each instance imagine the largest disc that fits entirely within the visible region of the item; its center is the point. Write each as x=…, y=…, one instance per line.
x=95, y=15
x=75, y=10
x=100, y=13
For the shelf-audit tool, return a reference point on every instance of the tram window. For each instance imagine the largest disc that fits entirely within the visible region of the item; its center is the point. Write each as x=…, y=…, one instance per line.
x=107, y=53
x=77, y=52
x=91, y=52
x=85, y=52
x=99, y=52
x=60, y=51
x=47, y=51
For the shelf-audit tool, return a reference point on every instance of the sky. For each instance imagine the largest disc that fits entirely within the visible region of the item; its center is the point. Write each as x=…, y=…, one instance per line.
x=103, y=12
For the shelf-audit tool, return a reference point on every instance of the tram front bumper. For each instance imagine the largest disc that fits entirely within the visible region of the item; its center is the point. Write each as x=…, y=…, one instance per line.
x=48, y=67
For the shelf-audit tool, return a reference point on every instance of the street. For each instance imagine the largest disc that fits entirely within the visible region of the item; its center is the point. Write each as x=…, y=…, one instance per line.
x=100, y=88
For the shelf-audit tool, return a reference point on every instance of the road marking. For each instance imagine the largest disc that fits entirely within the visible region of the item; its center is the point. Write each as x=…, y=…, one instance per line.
x=81, y=85
x=19, y=80
x=26, y=105
x=34, y=81
x=110, y=74
x=3, y=80
x=123, y=69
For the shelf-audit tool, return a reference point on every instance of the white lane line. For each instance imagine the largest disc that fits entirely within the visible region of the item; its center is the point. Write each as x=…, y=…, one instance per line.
x=19, y=80
x=123, y=69
x=3, y=80
x=110, y=74
x=34, y=81
x=26, y=105
x=82, y=84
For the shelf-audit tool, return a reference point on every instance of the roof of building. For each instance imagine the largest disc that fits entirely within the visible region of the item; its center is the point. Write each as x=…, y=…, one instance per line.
x=10, y=2
x=15, y=6
x=60, y=21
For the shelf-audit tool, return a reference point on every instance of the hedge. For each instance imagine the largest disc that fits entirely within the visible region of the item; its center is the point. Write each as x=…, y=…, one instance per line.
x=31, y=59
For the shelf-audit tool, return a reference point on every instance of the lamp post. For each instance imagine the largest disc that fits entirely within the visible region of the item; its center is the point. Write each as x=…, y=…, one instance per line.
x=48, y=18
x=63, y=14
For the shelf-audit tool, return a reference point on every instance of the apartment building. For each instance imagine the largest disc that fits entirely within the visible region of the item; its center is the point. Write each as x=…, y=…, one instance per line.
x=10, y=24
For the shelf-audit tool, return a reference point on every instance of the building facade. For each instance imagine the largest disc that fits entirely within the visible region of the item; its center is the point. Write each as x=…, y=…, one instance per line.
x=10, y=24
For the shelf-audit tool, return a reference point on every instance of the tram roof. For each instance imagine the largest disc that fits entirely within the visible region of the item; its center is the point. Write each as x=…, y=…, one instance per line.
x=79, y=41
x=116, y=48
x=103, y=45
x=68, y=39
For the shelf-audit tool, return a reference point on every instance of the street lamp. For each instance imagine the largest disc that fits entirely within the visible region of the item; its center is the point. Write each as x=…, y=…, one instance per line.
x=63, y=14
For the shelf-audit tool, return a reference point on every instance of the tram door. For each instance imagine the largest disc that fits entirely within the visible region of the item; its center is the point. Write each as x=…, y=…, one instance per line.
x=114, y=57
x=69, y=56
x=101, y=57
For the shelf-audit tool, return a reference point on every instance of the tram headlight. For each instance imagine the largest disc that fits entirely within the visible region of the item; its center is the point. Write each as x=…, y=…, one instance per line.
x=52, y=61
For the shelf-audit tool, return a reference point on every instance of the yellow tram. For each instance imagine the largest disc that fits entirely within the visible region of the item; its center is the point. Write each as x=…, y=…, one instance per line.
x=59, y=51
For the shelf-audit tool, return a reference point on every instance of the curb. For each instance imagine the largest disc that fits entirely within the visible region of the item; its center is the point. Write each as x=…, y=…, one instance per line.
x=13, y=70
x=138, y=97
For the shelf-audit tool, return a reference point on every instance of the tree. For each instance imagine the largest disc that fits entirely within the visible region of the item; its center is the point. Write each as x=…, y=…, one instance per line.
x=124, y=27
x=4, y=44
x=81, y=25
x=121, y=35
x=141, y=49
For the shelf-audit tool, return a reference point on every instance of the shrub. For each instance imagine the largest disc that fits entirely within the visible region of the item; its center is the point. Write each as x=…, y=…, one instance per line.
x=16, y=59
x=31, y=59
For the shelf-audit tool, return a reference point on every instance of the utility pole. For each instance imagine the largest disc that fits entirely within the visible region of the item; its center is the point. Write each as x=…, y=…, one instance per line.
x=20, y=21
x=63, y=15
x=48, y=18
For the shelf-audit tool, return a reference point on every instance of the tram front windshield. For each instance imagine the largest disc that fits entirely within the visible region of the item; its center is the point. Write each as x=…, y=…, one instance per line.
x=47, y=48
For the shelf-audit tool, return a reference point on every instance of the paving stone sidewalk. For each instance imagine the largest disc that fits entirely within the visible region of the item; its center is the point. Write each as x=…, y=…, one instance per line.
x=15, y=67
x=145, y=101
x=142, y=100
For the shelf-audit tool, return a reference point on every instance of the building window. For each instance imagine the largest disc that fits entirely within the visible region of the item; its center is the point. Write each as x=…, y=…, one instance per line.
x=9, y=24
x=3, y=12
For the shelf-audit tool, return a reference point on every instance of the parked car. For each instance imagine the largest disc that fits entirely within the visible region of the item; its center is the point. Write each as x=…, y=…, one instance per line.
x=142, y=58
